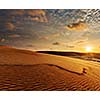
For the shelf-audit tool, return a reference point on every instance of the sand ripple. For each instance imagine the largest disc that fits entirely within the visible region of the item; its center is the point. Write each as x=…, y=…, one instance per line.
x=44, y=77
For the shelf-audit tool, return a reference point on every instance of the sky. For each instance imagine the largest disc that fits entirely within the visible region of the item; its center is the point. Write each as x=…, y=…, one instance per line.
x=50, y=29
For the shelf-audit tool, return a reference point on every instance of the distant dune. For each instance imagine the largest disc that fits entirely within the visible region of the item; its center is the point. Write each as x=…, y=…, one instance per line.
x=27, y=70
x=85, y=56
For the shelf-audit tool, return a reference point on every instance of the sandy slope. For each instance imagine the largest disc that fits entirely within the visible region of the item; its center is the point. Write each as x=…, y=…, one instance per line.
x=26, y=70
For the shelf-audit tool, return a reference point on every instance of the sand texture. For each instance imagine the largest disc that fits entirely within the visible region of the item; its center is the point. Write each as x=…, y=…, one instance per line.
x=26, y=70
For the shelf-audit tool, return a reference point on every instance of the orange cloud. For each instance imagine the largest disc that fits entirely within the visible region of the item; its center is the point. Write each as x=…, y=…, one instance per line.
x=10, y=26
x=38, y=15
x=35, y=19
x=2, y=40
x=80, y=26
x=36, y=12
x=44, y=38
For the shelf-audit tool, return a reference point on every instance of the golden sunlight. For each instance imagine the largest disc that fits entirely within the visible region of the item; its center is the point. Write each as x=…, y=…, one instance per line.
x=88, y=49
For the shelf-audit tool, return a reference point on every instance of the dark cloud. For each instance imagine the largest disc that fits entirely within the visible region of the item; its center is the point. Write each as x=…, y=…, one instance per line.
x=56, y=43
x=80, y=26
x=70, y=46
x=30, y=45
x=18, y=12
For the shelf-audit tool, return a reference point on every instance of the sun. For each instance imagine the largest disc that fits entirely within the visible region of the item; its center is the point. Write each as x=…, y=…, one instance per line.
x=88, y=49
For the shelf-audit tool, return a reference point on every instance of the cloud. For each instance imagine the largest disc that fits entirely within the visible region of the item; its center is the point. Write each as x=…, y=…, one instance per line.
x=56, y=35
x=38, y=15
x=80, y=26
x=56, y=43
x=14, y=36
x=80, y=42
x=70, y=46
x=2, y=40
x=36, y=12
x=10, y=26
x=35, y=18
x=44, y=38
x=30, y=45
x=18, y=12
x=50, y=36
x=86, y=35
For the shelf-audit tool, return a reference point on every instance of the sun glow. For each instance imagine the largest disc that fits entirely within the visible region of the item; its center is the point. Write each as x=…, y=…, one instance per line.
x=88, y=49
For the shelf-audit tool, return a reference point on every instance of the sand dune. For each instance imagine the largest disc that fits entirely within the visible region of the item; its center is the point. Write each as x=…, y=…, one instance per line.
x=26, y=70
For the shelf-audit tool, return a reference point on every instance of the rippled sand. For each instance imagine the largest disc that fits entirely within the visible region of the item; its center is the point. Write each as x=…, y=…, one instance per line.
x=25, y=70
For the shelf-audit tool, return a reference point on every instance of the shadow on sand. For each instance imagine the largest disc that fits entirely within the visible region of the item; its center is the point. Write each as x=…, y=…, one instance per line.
x=60, y=67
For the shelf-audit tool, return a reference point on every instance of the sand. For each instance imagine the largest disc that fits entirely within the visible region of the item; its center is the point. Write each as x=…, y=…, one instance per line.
x=26, y=70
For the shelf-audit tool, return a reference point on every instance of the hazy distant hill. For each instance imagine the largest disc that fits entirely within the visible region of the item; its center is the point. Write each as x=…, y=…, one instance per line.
x=87, y=56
